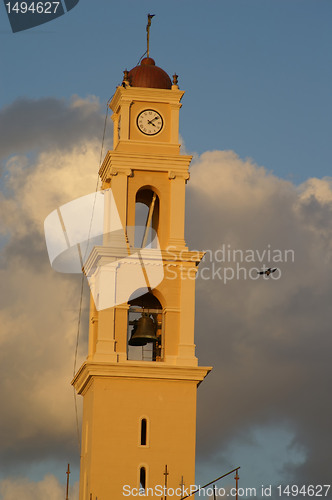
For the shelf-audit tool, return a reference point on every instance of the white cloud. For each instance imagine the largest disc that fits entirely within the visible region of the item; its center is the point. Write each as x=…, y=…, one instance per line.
x=321, y=189
x=48, y=124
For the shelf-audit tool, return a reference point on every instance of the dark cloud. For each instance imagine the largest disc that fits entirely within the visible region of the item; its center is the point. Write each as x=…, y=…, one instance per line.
x=39, y=307
x=268, y=340
x=41, y=124
x=49, y=487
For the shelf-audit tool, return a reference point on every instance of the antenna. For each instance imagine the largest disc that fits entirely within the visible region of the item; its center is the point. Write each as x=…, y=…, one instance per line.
x=150, y=16
x=67, y=488
x=237, y=483
x=166, y=473
x=182, y=486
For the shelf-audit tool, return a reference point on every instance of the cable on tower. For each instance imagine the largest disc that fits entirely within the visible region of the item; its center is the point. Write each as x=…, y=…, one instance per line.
x=82, y=279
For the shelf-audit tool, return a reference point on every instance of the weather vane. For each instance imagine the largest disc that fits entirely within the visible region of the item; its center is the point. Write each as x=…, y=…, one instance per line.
x=150, y=16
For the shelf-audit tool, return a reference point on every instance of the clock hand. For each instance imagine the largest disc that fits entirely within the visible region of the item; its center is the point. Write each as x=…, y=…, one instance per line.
x=155, y=118
x=150, y=122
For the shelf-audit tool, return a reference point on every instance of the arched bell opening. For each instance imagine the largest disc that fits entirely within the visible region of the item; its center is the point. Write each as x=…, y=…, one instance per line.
x=145, y=329
x=147, y=208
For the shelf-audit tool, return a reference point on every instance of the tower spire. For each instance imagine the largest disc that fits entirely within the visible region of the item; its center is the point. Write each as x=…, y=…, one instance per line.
x=150, y=16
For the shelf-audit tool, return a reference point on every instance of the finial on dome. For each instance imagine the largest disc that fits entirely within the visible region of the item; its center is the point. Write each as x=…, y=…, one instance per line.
x=150, y=16
x=147, y=74
x=125, y=81
x=175, y=79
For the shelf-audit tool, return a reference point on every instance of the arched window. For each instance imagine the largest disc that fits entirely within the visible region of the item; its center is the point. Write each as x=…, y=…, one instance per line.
x=146, y=217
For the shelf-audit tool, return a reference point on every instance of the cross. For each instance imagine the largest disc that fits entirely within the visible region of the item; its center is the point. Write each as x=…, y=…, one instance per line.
x=150, y=16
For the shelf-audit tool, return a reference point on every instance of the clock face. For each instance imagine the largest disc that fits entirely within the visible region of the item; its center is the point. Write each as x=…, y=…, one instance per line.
x=149, y=122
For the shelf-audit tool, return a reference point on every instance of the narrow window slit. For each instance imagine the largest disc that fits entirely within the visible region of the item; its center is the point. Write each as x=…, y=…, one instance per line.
x=142, y=477
x=143, y=432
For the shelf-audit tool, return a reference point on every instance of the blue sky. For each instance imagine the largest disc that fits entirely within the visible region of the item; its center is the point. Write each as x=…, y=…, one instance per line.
x=257, y=72
x=257, y=76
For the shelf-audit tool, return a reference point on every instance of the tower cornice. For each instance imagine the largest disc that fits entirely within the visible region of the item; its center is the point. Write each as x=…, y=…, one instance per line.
x=125, y=163
x=103, y=255
x=134, y=370
x=130, y=94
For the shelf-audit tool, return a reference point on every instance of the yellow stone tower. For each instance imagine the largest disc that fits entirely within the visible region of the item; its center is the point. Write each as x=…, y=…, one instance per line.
x=140, y=379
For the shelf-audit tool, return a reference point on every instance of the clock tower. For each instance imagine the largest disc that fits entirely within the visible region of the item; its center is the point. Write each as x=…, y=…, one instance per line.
x=140, y=378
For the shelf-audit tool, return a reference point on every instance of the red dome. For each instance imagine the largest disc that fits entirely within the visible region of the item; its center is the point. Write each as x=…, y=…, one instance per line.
x=149, y=75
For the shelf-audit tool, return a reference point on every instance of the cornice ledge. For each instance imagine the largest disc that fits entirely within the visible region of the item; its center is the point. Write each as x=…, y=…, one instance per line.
x=125, y=163
x=117, y=156
x=142, y=94
x=102, y=255
x=147, y=370
x=174, y=255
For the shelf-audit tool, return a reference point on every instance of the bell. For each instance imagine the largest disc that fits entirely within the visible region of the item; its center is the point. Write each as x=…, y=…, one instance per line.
x=144, y=331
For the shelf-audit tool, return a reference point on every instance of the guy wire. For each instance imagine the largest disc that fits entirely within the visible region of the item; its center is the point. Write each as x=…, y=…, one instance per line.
x=82, y=280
